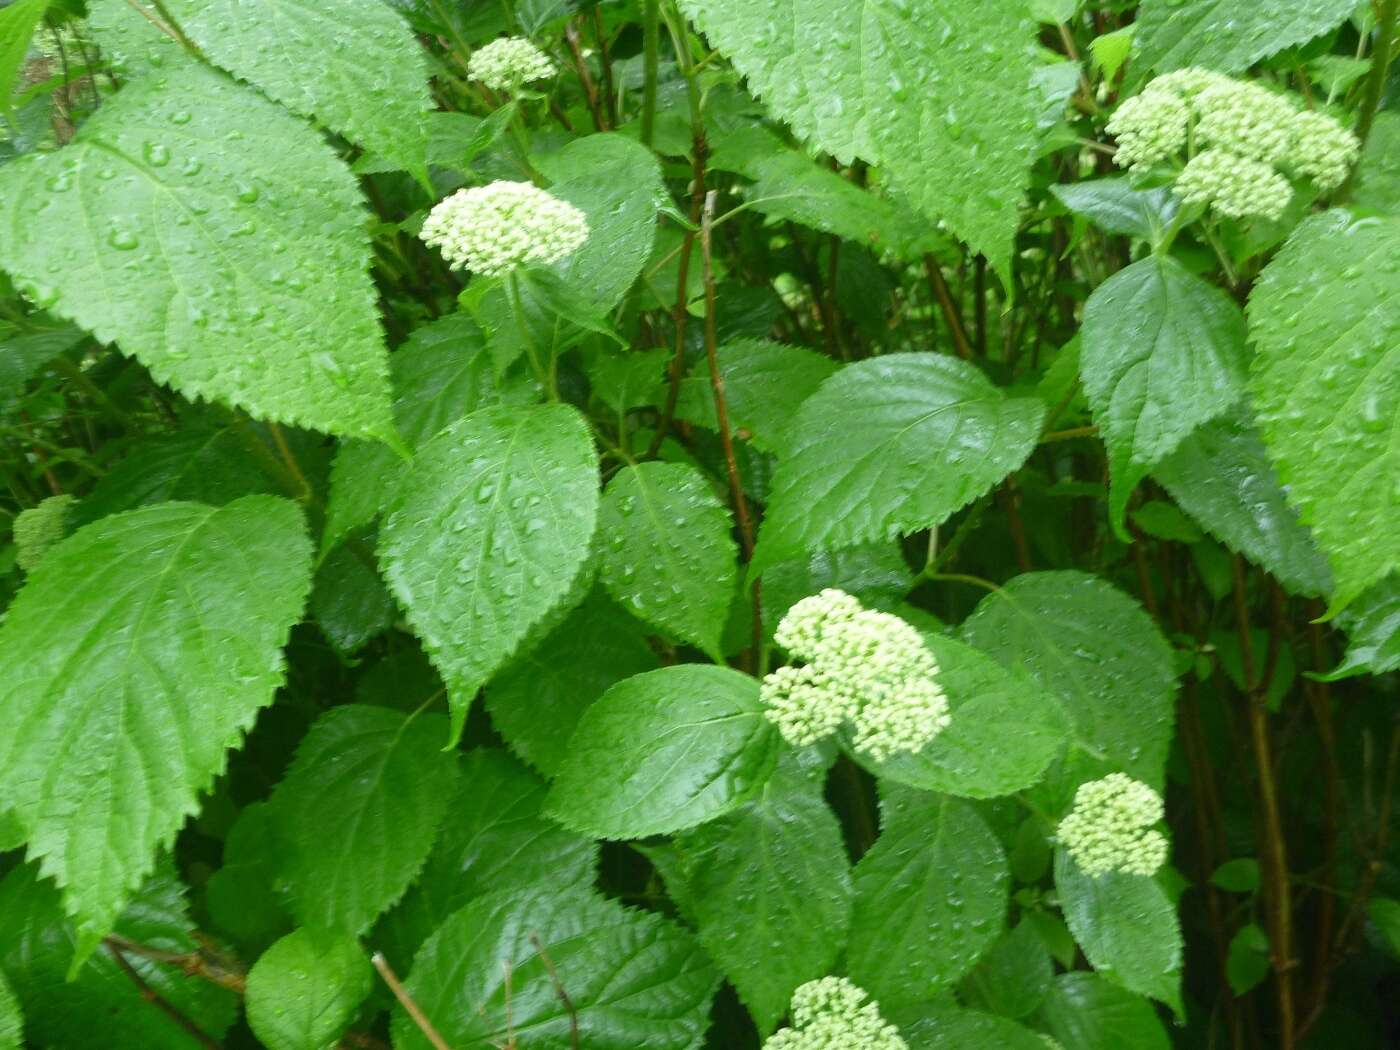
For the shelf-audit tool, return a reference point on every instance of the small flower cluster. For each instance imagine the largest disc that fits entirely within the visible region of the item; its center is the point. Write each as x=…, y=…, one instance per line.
x=39, y=528
x=834, y=1014
x=493, y=229
x=1110, y=827
x=507, y=63
x=864, y=667
x=1243, y=140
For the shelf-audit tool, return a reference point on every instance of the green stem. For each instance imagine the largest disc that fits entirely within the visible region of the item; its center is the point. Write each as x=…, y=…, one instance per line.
x=651, y=47
x=517, y=307
x=1386, y=13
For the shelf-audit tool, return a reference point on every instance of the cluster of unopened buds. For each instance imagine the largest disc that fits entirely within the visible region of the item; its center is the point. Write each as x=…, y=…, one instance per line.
x=1110, y=827
x=834, y=1014
x=869, y=669
x=493, y=229
x=508, y=63
x=1242, y=143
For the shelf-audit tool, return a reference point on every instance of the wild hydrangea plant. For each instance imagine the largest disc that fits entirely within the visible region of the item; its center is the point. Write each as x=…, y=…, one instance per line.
x=698, y=524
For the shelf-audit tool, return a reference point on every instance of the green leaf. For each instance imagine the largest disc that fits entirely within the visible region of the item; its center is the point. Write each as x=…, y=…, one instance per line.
x=174, y=618
x=947, y=1027
x=1227, y=35
x=493, y=838
x=355, y=67
x=1086, y=1012
x=1247, y=962
x=667, y=553
x=1372, y=624
x=930, y=897
x=1115, y=206
x=24, y=352
x=1221, y=475
x=1093, y=647
x=876, y=573
x=305, y=989
x=538, y=699
x=357, y=813
x=100, y=1005
x=441, y=373
x=17, y=22
x=1377, y=186
x=617, y=184
x=1127, y=928
x=486, y=533
x=161, y=228
x=764, y=383
x=1237, y=876
x=11, y=1017
x=771, y=892
x=1162, y=353
x=989, y=705
x=665, y=750
x=348, y=599
x=1385, y=913
x=633, y=978
x=242, y=898
x=896, y=85
x=1015, y=975
x=629, y=380
x=1325, y=317
x=202, y=464
x=888, y=446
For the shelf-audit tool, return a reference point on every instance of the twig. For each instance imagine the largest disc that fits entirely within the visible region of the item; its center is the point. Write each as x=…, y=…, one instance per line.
x=590, y=89
x=605, y=60
x=558, y=989
x=1067, y=435
x=950, y=311
x=191, y=964
x=159, y=1001
x=406, y=1001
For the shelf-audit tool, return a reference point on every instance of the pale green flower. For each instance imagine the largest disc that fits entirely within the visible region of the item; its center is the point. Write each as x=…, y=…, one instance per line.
x=507, y=63
x=1322, y=150
x=1110, y=827
x=862, y=667
x=1150, y=128
x=493, y=229
x=1234, y=185
x=1246, y=120
x=834, y=1014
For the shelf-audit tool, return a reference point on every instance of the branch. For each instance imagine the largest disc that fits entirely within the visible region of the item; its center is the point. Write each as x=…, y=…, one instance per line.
x=406, y=1001
x=160, y=1002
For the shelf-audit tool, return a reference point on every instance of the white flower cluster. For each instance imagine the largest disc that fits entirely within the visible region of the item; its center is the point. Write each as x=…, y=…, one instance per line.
x=1110, y=827
x=1248, y=138
x=495, y=228
x=834, y=1014
x=505, y=64
x=864, y=667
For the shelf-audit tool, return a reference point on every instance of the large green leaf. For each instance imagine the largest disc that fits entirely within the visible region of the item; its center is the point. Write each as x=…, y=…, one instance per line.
x=989, y=705
x=537, y=700
x=1377, y=186
x=1162, y=352
x=666, y=551
x=1325, y=317
x=11, y=1017
x=617, y=183
x=771, y=891
x=931, y=896
x=1086, y=1012
x=24, y=351
x=172, y=619
x=442, y=372
x=17, y=22
x=162, y=227
x=1221, y=475
x=495, y=970
x=764, y=382
x=493, y=838
x=101, y=1006
x=896, y=85
x=357, y=812
x=1013, y=977
x=665, y=750
x=486, y=533
x=304, y=990
x=888, y=446
x=1372, y=624
x=947, y=1027
x=1228, y=35
x=1095, y=648
x=1126, y=926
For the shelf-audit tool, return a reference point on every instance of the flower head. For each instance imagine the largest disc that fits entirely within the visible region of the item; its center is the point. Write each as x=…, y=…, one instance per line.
x=1246, y=120
x=834, y=1014
x=1234, y=185
x=868, y=668
x=1149, y=128
x=39, y=528
x=495, y=228
x=507, y=63
x=1322, y=149
x=1110, y=827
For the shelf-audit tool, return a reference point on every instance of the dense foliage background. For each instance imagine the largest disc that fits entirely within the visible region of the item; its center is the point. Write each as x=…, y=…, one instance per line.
x=360, y=606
